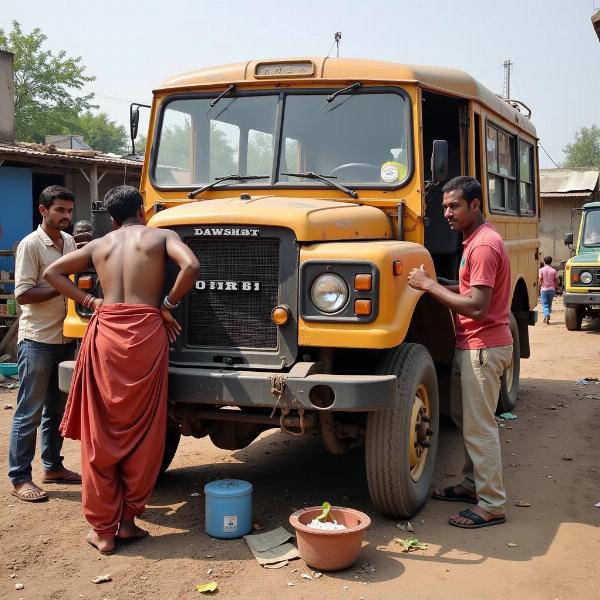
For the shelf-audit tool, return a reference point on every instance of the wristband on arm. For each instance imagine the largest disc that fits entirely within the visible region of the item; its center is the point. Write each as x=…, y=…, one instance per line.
x=168, y=304
x=88, y=301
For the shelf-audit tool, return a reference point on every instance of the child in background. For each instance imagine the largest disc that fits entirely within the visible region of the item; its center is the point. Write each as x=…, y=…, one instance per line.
x=548, y=282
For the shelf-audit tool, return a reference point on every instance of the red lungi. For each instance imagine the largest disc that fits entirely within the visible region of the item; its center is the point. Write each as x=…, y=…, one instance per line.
x=117, y=407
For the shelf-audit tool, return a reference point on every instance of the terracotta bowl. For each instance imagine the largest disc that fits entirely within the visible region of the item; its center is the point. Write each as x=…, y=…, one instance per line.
x=330, y=550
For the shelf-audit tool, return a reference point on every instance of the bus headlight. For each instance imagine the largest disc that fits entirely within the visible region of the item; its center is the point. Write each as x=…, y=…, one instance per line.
x=329, y=293
x=585, y=277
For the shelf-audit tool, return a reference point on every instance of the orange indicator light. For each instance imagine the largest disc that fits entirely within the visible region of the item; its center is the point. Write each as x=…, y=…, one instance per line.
x=85, y=282
x=362, y=307
x=280, y=315
x=398, y=267
x=363, y=282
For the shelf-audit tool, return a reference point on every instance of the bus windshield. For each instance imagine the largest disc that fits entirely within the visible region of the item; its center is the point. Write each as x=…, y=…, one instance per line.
x=358, y=139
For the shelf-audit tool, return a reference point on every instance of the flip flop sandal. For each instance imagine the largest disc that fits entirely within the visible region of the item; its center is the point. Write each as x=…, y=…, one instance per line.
x=451, y=496
x=478, y=521
x=73, y=479
x=21, y=494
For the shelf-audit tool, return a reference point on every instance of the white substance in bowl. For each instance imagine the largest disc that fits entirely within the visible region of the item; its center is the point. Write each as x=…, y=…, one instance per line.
x=328, y=525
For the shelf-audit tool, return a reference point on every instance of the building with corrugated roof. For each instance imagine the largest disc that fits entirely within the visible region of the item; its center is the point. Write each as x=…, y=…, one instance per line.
x=26, y=169
x=561, y=190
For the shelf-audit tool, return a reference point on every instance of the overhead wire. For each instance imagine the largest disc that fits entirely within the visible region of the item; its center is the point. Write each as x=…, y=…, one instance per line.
x=546, y=153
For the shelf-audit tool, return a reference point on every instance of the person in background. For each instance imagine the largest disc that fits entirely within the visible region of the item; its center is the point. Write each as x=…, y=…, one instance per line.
x=82, y=232
x=41, y=347
x=547, y=284
x=117, y=405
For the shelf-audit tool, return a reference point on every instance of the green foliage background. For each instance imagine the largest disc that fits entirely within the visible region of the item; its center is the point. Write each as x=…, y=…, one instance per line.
x=46, y=100
x=585, y=150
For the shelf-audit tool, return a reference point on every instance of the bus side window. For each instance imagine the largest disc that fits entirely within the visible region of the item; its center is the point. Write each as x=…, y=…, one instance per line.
x=501, y=167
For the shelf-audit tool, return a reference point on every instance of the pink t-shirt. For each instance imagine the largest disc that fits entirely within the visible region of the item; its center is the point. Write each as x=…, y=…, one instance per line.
x=548, y=275
x=485, y=262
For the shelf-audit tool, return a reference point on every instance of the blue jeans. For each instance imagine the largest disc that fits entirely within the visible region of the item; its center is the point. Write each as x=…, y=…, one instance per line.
x=39, y=401
x=547, y=297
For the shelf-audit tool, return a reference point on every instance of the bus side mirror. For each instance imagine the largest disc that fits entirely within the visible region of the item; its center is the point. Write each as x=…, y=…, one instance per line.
x=134, y=122
x=568, y=239
x=439, y=161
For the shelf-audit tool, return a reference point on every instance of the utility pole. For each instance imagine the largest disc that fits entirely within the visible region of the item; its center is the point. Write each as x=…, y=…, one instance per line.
x=507, y=66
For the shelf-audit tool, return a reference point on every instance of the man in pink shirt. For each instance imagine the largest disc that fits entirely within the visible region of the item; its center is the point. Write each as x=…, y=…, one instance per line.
x=548, y=282
x=483, y=351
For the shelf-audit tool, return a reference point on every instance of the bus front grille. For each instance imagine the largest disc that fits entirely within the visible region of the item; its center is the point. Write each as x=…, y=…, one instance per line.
x=237, y=288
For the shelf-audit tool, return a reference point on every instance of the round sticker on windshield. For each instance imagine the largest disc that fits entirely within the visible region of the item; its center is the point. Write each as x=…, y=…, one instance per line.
x=389, y=173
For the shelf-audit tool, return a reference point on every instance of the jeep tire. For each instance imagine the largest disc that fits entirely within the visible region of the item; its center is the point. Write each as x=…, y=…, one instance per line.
x=573, y=318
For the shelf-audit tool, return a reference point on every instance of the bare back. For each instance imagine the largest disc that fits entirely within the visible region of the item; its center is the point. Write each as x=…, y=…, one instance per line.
x=131, y=264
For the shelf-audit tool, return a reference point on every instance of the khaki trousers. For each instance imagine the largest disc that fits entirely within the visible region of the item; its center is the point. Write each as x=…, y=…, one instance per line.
x=474, y=398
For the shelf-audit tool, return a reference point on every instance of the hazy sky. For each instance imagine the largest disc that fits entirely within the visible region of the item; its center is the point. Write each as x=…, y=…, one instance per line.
x=131, y=46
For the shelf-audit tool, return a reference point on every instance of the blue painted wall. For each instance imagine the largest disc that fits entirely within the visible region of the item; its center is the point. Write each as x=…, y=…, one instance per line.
x=15, y=210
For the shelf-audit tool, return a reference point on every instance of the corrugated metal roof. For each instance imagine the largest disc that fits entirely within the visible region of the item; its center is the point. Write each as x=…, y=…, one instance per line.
x=582, y=195
x=566, y=181
x=7, y=150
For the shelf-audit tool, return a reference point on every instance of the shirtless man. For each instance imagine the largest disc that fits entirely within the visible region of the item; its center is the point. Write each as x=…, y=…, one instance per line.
x=118, y=399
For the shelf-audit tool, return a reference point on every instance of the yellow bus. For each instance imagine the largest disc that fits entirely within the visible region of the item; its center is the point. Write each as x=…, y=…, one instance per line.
x=308, y=189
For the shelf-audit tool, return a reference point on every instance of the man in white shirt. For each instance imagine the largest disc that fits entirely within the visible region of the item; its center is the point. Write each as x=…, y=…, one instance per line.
x=41, y=347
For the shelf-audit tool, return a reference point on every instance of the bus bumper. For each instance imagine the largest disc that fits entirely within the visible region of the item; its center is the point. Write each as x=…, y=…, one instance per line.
x=349, y=393
x=578, y=298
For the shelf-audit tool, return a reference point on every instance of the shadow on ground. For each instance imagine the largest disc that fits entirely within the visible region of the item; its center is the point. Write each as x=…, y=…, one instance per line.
x=290, y=473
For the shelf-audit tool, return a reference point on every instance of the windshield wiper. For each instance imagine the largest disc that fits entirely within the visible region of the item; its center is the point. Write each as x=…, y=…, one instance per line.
x=218, y=180
x=327, y=180
x=350, y=88
x=229, y=89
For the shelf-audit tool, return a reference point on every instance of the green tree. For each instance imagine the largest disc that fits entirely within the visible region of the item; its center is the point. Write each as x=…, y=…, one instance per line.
x=260, y=153
x=45, y=83
x=585, y=150
x=100, y=132
x=175, y=150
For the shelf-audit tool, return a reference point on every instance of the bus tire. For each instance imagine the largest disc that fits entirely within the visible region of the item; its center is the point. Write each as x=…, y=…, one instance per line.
x=573, y=318
x=401, y=442
x=509, y=381
x=171, y=443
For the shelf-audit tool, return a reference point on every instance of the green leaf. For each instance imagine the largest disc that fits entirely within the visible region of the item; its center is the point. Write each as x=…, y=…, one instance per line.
x=326, y=512
x=205, y=588
x=410, y=544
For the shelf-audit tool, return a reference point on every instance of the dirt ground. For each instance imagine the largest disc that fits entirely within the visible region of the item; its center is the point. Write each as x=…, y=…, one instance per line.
x=546, y=551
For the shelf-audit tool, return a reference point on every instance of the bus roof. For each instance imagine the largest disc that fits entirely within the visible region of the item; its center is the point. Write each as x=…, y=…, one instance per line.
x=442, y=79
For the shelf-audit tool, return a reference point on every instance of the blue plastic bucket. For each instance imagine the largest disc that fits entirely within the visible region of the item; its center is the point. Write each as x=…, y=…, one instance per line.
x=228, y=508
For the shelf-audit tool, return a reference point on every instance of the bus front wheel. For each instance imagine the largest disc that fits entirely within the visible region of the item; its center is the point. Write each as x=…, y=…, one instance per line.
x=171, y=443
x=401, y=442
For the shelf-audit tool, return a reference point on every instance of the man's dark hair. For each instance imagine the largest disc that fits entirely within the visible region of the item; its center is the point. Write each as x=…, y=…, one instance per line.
x=122, y=202
x=55, y=192
x=548, y=260
x=468, y=186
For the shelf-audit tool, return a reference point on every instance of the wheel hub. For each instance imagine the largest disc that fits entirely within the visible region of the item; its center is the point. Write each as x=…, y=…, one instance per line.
x=420, y=433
